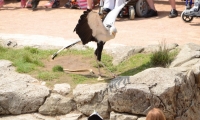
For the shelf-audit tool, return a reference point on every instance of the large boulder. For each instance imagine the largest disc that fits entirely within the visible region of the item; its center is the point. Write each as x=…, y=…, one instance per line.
x=57, y=104
x=122, y=116
x=37, y=116
x=19, y=93
x=188, y=52
x=92, y=97
x=172, y=91
x=62, y=89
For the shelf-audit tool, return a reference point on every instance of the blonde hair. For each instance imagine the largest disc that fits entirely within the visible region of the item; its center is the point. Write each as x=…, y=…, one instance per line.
x=155, y=114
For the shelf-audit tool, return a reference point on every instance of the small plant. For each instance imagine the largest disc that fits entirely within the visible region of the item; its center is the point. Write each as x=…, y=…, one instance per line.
x=161, y=57
x=57, y=68
x=32, y=50
x=2, y=49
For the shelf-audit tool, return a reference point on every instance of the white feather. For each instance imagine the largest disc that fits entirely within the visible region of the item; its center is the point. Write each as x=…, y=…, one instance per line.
x=100, y=30
x=112, y=15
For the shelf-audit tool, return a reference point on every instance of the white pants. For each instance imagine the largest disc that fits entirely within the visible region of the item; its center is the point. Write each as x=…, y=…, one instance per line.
x=111, y=4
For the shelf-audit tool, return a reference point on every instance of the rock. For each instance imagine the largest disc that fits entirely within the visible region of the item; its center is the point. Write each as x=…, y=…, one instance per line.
x=9, y=43
x=153, y=48
x=187, y=53
x=122, y=116
x=37, y=116
x=92, y=97
x=142, y=118
x=121, y=53
x=71, y=116
x=170, y=90
x=33, y=116
x=57, y=104
x=62, y=89
x=19, y=93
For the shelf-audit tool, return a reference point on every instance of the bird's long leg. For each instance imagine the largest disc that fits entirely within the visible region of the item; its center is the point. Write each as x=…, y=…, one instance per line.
x=101, y=63
x=99, y=78
x=111, y=74
x=98, y=53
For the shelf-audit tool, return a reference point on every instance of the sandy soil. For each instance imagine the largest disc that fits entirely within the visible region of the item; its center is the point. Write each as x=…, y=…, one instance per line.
x=60, y=22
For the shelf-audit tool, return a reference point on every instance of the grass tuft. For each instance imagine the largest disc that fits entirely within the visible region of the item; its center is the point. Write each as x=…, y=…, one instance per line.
x=57, y=68
x=162, y=57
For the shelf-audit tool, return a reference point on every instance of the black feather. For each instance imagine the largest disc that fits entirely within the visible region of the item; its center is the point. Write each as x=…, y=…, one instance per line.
x=85, y=33
x=83, y=29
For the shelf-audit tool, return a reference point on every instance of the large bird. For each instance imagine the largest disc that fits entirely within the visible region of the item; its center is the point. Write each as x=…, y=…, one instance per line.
x=90, y=28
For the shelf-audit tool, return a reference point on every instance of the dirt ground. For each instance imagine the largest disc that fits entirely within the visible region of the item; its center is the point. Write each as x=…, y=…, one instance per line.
x=73, y=63
x=60, y=22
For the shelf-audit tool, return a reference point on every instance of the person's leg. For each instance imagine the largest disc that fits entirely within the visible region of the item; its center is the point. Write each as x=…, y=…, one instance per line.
x=89, y=4
x=151, y=4
x=1, y=3
x=152, y=12
x=174, y=12
x=173, y=4
x=109, y=4
x=119, y=2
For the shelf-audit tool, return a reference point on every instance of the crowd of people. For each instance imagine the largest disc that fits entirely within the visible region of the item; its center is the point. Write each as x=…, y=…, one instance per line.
x=111, y=4
x=34, y=3
x=107, y=7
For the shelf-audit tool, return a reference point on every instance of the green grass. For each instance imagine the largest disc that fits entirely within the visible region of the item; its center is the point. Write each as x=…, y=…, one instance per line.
x=162, y=57
x=30, y=61
x=57, y=68
x=48, y=76
x=25, y=60
x=134, y=64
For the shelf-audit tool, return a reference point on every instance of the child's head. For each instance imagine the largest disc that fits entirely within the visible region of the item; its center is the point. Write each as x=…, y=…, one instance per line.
x=155, y=114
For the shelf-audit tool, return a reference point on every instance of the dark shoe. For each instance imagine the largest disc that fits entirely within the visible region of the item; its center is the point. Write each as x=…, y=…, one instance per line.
x=173, y=13
x=106, y=10
x=89, y=10
x=151, y=13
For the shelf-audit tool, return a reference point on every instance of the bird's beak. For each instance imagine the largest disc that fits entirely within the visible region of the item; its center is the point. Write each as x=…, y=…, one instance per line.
x=113, y=33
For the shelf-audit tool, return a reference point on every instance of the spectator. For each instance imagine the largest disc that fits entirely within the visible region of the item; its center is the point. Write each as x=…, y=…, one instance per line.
x=89, y=4
x=111, y=4
x=153, y=12
x=155, y=114
x=108, y=4
x=23, y=3
x=1, y=3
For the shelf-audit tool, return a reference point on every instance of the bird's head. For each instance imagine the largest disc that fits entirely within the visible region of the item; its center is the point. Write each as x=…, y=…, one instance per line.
x=112, y=29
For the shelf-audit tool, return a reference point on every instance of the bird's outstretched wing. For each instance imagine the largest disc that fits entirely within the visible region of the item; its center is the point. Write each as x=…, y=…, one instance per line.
x=90, y=27
x=82, y=28
x=112, y=15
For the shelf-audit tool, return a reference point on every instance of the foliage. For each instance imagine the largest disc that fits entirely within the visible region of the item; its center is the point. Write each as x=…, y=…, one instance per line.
x=48, y=76
x=31, y=61
x=25, y=60
x=57, y=68
x=162, y=57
